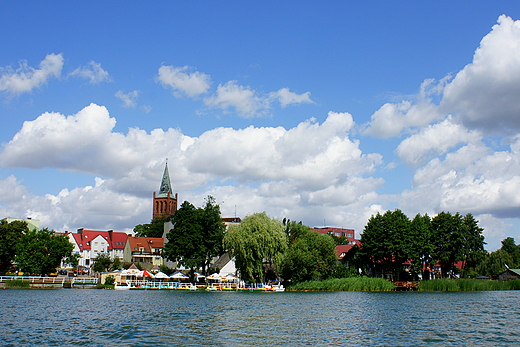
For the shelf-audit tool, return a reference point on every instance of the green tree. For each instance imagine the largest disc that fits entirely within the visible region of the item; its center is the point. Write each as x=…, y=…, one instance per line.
x=10, y=235
x=494, y=263
x=456, y=238
x=509, y=246
x=116, y=264
x=257, y=245
x=102, y=262
x=153, y=229
x=418, y=244
x=196, y=236
x=310, y=255
x=384, y=243
x=41, y=252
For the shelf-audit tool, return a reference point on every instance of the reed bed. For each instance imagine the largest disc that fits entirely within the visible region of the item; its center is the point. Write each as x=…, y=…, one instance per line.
x=361, y=284
x=467, y=284
x=17, y=284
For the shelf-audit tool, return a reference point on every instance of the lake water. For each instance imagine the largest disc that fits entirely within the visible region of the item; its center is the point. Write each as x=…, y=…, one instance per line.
x=89, y=317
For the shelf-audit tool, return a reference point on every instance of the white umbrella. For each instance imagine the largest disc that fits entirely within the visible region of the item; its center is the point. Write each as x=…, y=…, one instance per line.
x=214, y=276
x=179, y=275
x=161, y=275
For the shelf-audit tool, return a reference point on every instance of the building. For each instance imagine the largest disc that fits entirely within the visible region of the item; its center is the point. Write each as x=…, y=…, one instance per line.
x=349, y=234
x=32, y=224
x=164, y=203
x=509, y=274
x=144, y=250
x=89, y=243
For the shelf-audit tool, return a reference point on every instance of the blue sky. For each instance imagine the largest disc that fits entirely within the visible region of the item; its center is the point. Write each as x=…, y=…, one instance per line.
x=320, y=113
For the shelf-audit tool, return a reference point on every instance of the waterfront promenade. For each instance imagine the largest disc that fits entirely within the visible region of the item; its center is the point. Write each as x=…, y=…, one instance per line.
x=53, y=282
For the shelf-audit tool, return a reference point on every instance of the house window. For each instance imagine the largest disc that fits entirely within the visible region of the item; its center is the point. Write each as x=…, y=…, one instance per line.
x=349, y=234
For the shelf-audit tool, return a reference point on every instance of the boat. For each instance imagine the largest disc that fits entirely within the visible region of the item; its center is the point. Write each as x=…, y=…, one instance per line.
x=122, y=286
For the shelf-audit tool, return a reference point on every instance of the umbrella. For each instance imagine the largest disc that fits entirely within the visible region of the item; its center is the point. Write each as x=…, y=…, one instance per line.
x=229, y=278
x=144, y=273
x=214, y=276
x=161, y=275
x=179, y=275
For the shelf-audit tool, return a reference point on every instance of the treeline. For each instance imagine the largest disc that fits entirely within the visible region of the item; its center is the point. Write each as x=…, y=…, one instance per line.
x=395, y=247
x=33, y=251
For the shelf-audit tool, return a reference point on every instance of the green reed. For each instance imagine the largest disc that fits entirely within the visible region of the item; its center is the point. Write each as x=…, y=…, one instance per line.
x=467, y=284
x=17, y=284
x=365, y=284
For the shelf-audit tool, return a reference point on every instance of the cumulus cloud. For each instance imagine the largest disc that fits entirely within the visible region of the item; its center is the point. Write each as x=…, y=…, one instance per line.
x=286, y=97
x=484, y=95
x=92, y=72
x=183, y=82
x=129, y=99
x=26, y=78
x=244, y=100
x=309, y=164
x=434, y=140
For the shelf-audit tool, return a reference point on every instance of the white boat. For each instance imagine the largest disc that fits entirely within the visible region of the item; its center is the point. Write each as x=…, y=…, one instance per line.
x=122, y=286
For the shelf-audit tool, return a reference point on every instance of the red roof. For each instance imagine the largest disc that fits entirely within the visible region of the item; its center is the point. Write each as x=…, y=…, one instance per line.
x=147, y=243
x=116, y=240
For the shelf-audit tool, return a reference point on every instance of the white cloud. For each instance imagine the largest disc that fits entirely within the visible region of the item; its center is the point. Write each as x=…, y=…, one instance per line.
x=26, y=78
x=292, y=172
x=392, y=118
x=434, y=140
x=11, y=190
x=92, y=72
x=129, y=99
x=485, y=93
x=244, y=100
x=183, y=82
x=286, y=97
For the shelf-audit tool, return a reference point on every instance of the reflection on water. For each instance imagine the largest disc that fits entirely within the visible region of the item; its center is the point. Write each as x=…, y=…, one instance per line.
x=167, y=318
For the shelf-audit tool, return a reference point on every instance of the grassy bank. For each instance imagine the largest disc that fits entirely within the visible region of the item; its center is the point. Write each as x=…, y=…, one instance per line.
x=467, y=284
x=361, y=284
x=17, y=284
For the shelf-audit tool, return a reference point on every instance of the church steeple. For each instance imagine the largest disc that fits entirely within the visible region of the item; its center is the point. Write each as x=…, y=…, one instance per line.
x=164, y=203
x=166, y=186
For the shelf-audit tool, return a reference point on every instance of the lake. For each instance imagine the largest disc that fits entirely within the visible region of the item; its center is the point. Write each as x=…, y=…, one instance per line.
x=89, y=317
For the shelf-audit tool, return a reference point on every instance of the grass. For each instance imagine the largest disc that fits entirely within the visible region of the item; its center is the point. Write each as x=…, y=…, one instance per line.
x=361, y=284
x=17, y=284
x=467, y=284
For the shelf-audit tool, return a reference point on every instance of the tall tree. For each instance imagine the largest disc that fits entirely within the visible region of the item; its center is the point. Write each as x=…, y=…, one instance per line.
x=41, y=252
x=310, y=255
x=384, y=243
x=418, y=244
x=196, y=236
x=509, y=246
x=259, y=240
x=10, y=235
x=102, y=262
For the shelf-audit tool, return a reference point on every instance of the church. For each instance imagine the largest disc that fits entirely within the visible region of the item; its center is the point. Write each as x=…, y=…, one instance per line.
x=165, y=203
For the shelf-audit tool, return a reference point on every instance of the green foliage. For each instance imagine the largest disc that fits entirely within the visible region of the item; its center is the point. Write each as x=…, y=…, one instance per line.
x=10, y=235
x=310, y=255
x=464, y=284
x=494, y=263
x=17, y=284
x=102, y=263
x=116, y=264
x=109, y=280
x=197, y=234
x=368, y=284
x=153, y=229
x=41, y=252
x=509, y=246
x=257, y=241
x=167, y=270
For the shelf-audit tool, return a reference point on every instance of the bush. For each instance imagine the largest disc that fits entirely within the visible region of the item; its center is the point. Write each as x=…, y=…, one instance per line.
x=109, y=280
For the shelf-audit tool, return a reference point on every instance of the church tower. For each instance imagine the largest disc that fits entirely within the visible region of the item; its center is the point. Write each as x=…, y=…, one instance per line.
x=164, y=203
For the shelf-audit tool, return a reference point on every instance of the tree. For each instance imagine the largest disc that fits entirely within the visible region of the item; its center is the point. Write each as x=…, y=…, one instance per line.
x=494, y=263
x=102, y=263
x=509, y=246
x=257, y=241
x=456, y=238
x=10, y=235
x=310, y=255
x=41, y=252
x=418, y=245
x=196, y=236
x=384, y=241
x=153, y=229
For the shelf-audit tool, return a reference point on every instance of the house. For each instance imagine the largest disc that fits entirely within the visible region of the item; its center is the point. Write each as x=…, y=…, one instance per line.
x=509, y=274
x=349, y=234
x=89, y=243
x=32, y=224
x=144, y=250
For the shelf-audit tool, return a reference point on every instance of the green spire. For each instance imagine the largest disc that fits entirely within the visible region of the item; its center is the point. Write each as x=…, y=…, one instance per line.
x=166, y=186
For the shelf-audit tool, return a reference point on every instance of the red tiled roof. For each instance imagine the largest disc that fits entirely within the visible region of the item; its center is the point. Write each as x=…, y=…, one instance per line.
x=147, y=243
x=116, y=240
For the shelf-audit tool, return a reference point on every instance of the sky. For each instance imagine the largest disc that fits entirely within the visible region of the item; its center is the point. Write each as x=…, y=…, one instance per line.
x=325, y=113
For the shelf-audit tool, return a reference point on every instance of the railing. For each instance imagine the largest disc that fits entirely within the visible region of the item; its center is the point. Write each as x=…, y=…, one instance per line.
x=53, y=280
